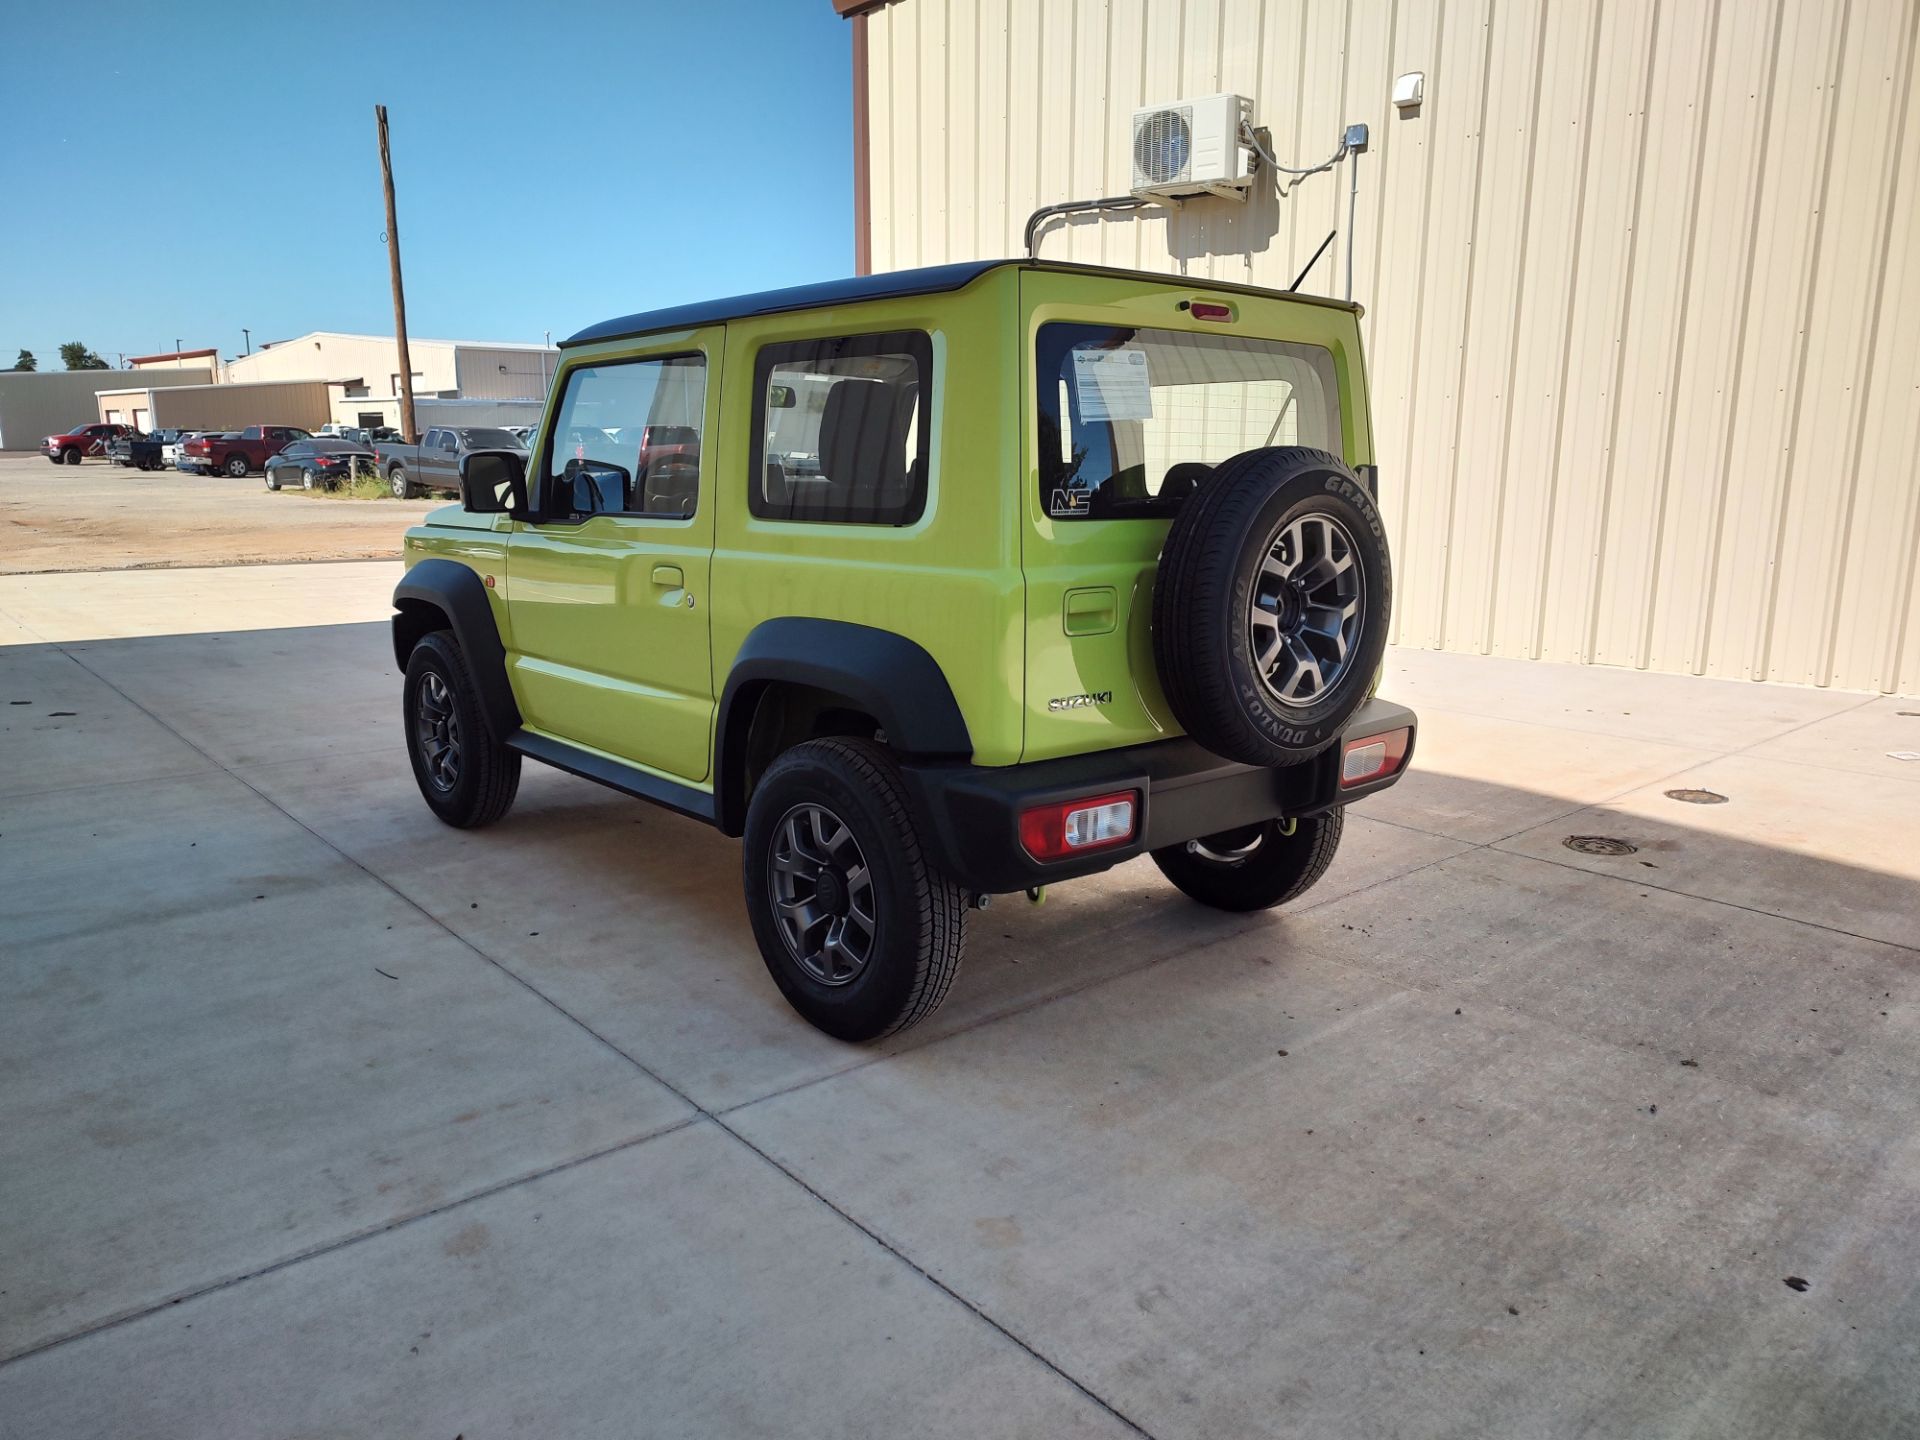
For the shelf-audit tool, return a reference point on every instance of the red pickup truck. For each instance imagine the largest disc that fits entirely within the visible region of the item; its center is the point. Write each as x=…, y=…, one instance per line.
x=81, y=441
x=238, y=451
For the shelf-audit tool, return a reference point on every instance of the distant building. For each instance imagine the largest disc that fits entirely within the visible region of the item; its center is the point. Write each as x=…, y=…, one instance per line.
x=327, y=376
x=36, y=404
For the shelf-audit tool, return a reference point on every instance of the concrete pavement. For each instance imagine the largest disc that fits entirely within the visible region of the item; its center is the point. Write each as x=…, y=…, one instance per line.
x=323, y=1118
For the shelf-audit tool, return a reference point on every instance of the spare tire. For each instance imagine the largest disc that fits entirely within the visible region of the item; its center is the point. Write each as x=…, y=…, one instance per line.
x=1271, y=605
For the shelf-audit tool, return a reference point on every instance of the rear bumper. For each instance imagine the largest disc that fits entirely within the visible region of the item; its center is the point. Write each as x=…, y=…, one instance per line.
x=970, y=814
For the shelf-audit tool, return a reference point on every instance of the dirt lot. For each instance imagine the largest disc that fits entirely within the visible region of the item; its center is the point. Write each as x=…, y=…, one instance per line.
x=101, y=517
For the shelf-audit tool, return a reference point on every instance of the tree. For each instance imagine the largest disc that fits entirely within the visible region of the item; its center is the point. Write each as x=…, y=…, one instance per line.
x=76, y=356
x=26, y=361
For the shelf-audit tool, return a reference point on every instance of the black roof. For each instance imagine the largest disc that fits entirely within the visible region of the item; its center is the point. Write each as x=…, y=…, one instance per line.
x=932, y=280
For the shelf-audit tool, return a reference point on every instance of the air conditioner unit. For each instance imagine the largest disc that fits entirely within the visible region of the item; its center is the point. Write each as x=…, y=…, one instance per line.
x=1192, y=147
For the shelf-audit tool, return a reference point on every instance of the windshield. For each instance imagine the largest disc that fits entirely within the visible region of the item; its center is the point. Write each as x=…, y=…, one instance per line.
x=1132, y=421
x=492, y=440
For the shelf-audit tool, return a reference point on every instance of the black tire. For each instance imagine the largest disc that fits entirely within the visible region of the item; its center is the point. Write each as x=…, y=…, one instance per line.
x=919, y=931
x=1205, y=594
x=306, y=480
x=70, y=455
x=397, y=482
x=236, y=467
x=1255, y=867
x=487, y=774
x=273, y=480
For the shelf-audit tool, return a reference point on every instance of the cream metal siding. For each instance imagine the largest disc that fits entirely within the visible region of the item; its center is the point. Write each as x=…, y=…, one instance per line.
x=490, y=372
x=1642, y=283
x=327, y=356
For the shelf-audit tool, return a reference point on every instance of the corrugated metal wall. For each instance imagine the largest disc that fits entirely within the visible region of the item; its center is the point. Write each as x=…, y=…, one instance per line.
x=1642, y=281
x=34, y=405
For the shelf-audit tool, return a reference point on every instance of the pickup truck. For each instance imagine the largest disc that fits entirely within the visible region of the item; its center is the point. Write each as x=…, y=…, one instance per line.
x=83, y=440
x=238, y=452
x=434, y=464
x=142, y=452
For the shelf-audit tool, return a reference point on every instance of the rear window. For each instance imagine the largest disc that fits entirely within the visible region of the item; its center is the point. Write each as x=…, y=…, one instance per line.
x=1132, y=421
x=483, y=439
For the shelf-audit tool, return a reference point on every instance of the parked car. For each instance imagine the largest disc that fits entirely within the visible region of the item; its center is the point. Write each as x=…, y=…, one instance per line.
x=81, y=442
x=143, y=452
x=320, y=463
x=434, y=464
x=524, y=433
x=1027, y=607
x=238, y=452
x=184, y=461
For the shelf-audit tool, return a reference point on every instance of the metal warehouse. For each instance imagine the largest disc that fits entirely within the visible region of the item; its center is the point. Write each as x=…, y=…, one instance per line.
x=1642, y=290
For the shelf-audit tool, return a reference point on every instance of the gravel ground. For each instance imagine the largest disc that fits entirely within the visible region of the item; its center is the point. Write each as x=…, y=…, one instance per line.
x=101, y=517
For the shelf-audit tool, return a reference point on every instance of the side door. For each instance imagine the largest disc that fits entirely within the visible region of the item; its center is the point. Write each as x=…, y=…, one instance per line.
x=441, y=460
x=607, y=581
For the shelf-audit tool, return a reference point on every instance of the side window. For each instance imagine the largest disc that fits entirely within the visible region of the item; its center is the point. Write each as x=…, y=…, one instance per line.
x=841, y=429
x=626, y=439
x=252, y=432
x=449, y=441
x=297, y=451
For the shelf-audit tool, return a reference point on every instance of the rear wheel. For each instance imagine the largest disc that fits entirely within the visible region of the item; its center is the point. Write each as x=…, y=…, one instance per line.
x=306, y=480
x=401, y=486
x=466, y=775
x=1257, y=866
x=861, y=935
x=236, y=466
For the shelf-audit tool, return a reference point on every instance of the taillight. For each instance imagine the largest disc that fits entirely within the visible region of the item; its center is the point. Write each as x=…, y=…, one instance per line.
x=1208, y=310
x=1373, y=757
x=1075, y=827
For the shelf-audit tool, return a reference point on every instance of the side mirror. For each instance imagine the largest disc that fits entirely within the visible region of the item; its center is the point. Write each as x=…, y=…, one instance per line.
x=781, y=397
x=493, y=482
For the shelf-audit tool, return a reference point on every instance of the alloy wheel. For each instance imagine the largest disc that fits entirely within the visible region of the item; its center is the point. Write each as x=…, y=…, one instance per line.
x=437, y=732
x=1306, y=610
x=822, y=894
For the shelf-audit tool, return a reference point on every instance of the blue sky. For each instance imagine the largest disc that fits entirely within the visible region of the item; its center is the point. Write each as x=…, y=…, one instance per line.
x=182, y=169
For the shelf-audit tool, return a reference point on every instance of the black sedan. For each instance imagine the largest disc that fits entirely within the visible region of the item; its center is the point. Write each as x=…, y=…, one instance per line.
x=317, y=464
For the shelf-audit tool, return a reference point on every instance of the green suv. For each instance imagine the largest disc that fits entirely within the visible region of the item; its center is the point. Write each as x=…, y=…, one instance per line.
x=931, y=586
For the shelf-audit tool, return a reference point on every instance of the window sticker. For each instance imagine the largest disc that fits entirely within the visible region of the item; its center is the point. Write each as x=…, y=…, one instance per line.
x=1112, y=384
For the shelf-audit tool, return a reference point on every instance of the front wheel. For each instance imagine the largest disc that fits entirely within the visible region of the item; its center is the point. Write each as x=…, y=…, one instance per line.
x=273, y=480
x=236, y=466
x=466, y=775
x=1257, y=866
x=860, y=933
x=71, y=455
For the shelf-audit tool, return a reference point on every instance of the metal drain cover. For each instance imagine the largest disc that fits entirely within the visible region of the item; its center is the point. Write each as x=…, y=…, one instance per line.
x=1697, y=797
x=1599, y=845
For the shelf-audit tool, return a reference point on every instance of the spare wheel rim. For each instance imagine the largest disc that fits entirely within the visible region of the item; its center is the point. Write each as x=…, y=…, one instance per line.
x=1306, y=609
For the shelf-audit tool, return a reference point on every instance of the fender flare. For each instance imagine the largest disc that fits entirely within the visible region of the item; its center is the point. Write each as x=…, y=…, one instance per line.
x=879, y=672
x=458, y=594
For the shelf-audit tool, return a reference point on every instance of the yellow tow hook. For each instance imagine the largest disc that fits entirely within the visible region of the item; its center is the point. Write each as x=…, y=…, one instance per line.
x=1036, y=894
x=1288, y=826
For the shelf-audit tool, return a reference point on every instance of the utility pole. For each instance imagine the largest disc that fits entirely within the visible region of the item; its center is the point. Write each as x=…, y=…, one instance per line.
x=249, y=334
x=399, y=292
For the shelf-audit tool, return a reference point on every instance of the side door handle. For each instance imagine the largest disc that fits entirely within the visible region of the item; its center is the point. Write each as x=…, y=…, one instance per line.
x=669, y=576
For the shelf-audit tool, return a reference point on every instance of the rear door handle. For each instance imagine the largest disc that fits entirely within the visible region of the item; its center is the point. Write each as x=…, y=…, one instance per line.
x=669, y=576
